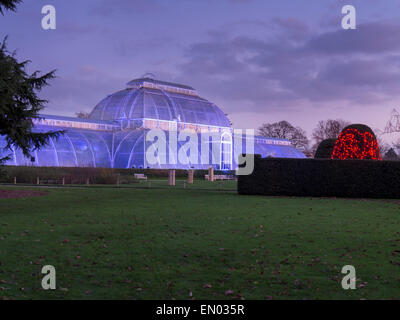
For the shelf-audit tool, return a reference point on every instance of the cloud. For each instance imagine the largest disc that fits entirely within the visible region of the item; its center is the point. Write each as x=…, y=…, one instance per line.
x=75, y=29
x=368, y=38
x=297, y=66
x=294, y=28
x=131, y=7
x=81, y=90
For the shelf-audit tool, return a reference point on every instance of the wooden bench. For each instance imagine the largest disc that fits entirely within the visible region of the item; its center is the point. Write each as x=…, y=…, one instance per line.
x=51, y=181
x=140, y=176
x=220, y=177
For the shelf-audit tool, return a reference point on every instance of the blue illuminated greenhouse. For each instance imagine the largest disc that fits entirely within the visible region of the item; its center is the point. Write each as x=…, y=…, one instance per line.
x=117, y=133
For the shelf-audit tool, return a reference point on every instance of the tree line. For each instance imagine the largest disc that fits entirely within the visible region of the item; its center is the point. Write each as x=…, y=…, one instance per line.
x=325, y=129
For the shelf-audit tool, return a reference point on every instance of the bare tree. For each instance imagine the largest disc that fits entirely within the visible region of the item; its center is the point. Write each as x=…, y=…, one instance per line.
x=383, y=146
x=392, y=126
x=328, y=129
x=82, y=115
x=285, y=130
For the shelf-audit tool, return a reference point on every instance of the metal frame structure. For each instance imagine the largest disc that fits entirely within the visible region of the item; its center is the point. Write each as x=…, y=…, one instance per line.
x=114, y=135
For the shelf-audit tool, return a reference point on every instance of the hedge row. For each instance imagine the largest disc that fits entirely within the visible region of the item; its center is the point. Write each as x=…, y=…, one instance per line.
x=77, y=175
x=322, y=178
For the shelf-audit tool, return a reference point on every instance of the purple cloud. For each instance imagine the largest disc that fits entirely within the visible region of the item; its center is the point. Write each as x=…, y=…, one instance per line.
x=370, y=38
x=355, y=66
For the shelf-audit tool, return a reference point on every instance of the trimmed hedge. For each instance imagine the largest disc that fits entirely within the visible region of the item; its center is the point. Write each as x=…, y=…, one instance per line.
x=325, y=149
x=322, y=178
x=77, y=175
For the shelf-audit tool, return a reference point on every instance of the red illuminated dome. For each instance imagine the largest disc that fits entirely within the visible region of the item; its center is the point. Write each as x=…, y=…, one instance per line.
x=356, y=141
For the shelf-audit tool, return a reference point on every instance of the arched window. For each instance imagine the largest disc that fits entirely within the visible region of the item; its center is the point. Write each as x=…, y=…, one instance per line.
x=226, y=151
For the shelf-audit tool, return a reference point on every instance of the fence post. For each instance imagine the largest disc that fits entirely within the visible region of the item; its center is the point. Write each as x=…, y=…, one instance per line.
x=171, y=177
x=15, y=180
x=184, y=184
x=37, y=180
x=190, y=176
x=87, y=181
x=63, y=181
x=149, y=184
x=211, y=174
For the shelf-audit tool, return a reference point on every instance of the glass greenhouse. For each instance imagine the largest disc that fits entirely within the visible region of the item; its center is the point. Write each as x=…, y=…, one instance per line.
x=124, y=128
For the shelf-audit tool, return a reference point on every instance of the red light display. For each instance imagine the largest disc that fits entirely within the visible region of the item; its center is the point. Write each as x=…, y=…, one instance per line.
x=356, y=142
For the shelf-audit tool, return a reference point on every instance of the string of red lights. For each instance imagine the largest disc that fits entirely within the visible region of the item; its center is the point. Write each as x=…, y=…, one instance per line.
x=356, y=143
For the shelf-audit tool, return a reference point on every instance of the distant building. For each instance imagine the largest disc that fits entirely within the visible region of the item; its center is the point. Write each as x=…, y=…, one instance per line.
x=114, y=134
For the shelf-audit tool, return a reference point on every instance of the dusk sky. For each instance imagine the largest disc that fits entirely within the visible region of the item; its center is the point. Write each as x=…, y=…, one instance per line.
x=260, y=61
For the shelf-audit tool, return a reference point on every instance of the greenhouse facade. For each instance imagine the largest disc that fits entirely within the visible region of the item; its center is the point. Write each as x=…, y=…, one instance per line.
x=117, y=133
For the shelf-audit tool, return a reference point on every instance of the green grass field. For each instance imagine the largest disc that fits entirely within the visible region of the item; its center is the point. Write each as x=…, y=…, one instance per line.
x=198, y=243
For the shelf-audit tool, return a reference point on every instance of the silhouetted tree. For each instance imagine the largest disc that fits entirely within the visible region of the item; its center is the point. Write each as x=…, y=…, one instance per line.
x=327, y=129
x=82, y=115
x=8, y=5
x=19, y=104
x=285, y=130
x=383, y=146
x=391, y=155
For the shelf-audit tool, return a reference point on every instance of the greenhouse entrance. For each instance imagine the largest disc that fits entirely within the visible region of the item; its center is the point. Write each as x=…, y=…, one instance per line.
x=226, y=151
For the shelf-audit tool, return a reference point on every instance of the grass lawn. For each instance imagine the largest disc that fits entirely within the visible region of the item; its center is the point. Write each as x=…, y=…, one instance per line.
x=171, y=243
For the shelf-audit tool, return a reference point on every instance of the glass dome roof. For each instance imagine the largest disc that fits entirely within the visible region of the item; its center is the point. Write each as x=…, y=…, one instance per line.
x=152, y=99
x=103, y=140
x=75, y=148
